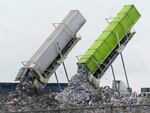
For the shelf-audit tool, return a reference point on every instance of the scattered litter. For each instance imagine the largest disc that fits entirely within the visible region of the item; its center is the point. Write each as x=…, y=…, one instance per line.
x=79, y=93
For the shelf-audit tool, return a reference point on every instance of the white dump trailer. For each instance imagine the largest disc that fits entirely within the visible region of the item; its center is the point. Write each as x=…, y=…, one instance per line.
x=53, y=51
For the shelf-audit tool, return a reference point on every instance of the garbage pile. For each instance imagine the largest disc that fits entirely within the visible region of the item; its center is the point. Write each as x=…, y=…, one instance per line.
x=79, y=93
x=20, y=102
x=26, y=99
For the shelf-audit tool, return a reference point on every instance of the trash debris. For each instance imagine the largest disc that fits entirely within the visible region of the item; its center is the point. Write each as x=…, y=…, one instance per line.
x=27, y=103
x=80, y=93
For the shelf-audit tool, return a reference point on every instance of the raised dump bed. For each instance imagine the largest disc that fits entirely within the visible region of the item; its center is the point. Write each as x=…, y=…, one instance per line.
x=117, y=32
x=53, y=51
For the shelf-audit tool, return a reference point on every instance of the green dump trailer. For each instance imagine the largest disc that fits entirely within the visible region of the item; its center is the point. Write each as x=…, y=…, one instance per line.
x=106, y=47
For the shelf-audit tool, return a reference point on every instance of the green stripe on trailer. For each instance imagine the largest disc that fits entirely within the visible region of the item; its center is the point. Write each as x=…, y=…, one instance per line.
x=107, y=41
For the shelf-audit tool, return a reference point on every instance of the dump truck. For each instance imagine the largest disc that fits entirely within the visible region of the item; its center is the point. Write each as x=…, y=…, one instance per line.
x=97, y=59
x=39, y=68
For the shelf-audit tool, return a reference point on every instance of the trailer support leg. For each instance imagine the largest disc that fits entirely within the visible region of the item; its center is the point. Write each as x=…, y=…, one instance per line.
x=124, y=70
x=57, y=81
x=62, y=58
x=113, y=73
x=66, y=71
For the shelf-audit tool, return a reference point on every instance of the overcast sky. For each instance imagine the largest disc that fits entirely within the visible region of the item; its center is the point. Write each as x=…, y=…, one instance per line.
x=26, y=24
